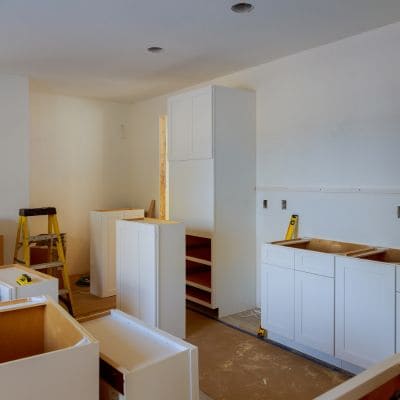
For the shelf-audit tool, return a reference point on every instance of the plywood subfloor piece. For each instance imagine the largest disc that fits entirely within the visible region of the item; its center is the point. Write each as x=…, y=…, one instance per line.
x=235, y=366
x=248, y=321
x=86, y=303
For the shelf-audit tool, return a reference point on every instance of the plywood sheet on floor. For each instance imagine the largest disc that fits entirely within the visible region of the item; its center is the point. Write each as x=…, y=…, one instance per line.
x=86, y=303
x=237, y=366
x=248, y=321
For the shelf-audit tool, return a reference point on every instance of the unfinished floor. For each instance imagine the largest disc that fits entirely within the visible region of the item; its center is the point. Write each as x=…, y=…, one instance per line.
x=234, y=365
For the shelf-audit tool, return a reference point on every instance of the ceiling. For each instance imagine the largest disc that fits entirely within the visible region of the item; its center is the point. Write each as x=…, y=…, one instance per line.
x=97, y=48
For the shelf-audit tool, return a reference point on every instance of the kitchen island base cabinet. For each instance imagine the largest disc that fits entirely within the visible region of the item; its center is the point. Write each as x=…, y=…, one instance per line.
x=277, y=302
x=365, y=311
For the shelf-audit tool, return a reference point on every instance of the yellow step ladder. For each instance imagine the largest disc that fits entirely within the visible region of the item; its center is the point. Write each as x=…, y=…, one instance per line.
x=52, y=238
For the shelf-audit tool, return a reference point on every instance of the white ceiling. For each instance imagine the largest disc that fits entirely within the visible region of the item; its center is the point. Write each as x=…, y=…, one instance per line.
x=97, y=48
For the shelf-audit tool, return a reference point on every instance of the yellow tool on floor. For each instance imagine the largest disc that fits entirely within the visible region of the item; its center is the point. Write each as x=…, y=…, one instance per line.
x=293, y=228
x=24, y=280
x=53, y=240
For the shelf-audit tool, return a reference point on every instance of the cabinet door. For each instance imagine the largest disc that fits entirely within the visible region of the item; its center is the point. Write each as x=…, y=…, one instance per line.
x=397, y=322
x=180, y=120
x=202, y=136
x=314, y=311
x=277, y=300
x=365, y=311
x=136, y=268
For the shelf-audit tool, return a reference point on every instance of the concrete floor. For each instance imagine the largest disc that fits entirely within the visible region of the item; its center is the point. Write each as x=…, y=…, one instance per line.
x=236, y=366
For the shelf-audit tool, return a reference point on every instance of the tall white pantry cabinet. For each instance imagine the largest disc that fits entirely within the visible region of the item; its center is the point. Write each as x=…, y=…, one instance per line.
x=102, y=248
x=212, y=178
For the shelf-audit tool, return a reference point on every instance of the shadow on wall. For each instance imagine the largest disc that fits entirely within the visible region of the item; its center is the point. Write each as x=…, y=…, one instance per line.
x=8, y=228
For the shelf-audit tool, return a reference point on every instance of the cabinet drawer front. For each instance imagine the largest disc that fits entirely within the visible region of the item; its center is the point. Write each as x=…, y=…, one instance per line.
x=278, y=255
x=314, y=262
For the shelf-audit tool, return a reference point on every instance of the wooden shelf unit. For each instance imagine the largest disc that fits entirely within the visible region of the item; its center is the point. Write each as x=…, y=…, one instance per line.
x=199, y=270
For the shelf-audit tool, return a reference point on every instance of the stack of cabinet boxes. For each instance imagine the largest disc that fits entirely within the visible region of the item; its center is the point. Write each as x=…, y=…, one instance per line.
x=332, y=300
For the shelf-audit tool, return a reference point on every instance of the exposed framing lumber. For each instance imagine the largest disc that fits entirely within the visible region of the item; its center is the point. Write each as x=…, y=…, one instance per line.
x=163, y=212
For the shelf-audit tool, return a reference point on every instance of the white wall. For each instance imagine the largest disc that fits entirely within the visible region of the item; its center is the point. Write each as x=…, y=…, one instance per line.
x=14, y=156
x=327, y=117
x=80, y=161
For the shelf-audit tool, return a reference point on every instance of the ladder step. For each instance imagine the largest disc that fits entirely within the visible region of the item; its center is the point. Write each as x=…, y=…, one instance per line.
x=54, y=264
x=32, y=212
x=42, y=237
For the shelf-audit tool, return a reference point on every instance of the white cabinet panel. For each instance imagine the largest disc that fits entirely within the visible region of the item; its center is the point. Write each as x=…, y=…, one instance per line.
x=277, y=293
x=102, y=249
x=365, y=311
x=314, y=311
x=151, y=272
x=397, y=322
x=180, y=127
x=315, y=262
x=202, y=124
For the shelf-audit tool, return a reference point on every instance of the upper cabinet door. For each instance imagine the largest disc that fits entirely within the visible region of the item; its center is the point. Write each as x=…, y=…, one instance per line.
x=202, y=136
x=191, y=125
x=180, y=127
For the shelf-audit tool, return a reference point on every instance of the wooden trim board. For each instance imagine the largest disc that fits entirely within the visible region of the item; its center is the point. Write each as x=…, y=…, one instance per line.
x=1, y=249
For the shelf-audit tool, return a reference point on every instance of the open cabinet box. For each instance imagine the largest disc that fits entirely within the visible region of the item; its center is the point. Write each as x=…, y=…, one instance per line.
x=140, y=362
x=325, y=246
x=45, y=354
x=382, y=381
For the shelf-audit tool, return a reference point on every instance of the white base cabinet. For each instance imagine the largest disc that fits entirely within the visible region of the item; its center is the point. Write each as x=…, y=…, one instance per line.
x=139, y=362
x=41, y=285
x=102, y=249
x=365, y=311
x=45, y=354
x=151, y=272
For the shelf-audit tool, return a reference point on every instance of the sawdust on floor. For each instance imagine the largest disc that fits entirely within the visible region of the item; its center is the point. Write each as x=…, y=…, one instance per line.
x=237, y=366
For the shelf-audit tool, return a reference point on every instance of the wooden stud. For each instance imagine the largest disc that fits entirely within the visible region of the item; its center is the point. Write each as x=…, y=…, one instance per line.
x=163, y=166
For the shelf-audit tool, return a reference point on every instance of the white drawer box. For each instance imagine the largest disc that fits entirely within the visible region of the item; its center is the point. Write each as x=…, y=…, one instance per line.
x=277, y=255
x=314, y=262
x=45, y=354
x=139, y=362
x=42, y=284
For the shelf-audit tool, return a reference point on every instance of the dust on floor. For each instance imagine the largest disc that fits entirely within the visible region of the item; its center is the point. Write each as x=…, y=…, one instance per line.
x=237, y=366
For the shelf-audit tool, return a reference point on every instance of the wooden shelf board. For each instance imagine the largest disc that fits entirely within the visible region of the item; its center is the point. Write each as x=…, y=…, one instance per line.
x=198, y=301
x=198, y=260
x=199, y=279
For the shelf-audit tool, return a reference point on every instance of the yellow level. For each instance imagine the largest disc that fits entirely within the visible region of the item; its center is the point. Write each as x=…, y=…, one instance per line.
x=293, y=228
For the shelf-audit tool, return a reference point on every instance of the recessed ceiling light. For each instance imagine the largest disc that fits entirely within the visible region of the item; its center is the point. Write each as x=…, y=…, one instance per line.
x=242, y=7
x=155, y=49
